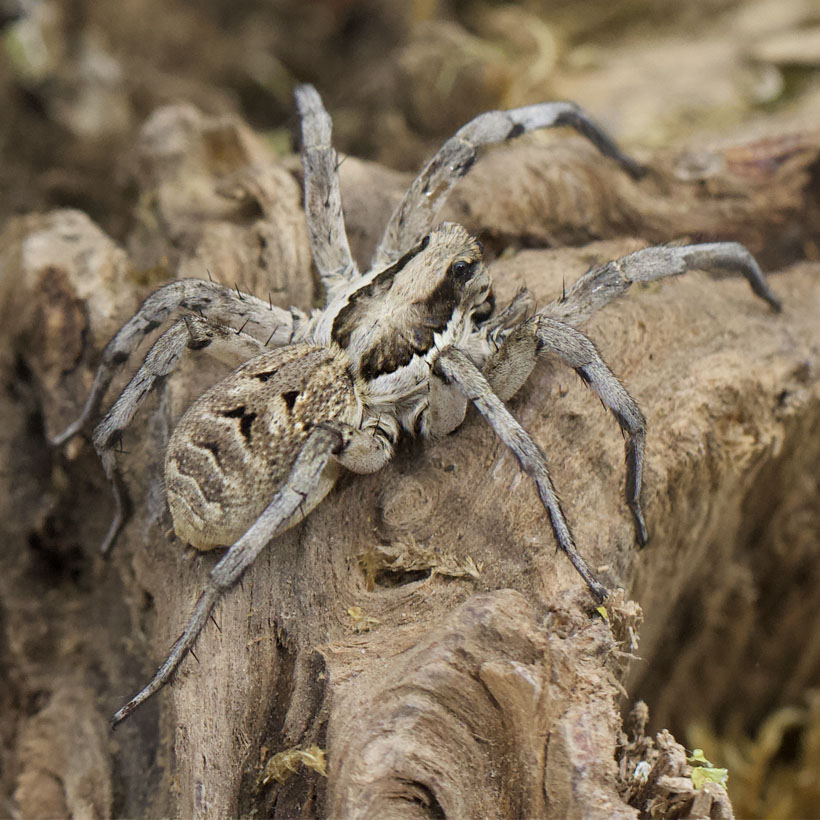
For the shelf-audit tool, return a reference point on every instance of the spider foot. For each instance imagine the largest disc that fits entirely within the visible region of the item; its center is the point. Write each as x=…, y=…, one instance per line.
x=641, y=535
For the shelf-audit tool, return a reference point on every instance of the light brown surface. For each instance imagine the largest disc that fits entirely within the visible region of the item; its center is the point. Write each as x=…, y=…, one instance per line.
x=448, y=692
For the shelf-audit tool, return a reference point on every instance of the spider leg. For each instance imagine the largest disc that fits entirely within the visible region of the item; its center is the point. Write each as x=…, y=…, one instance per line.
x=602, y=284
x=508, y=369
x=222, y=304
x=415, y=214
x=367, y=450
x=322, y=444
x=513, y=314
x=323, y=200
x=457, y=369
x=163, y=357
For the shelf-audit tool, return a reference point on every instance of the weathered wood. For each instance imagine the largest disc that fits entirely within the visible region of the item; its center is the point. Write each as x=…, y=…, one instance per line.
x=420, y=626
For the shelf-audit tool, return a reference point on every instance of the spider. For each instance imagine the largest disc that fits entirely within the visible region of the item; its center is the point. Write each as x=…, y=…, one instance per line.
x=404, y=347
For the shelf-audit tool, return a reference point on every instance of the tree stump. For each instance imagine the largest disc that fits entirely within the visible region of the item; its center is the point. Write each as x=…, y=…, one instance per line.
x=417, y=648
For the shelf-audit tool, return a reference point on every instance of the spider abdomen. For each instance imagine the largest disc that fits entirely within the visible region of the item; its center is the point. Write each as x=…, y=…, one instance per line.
x=235, y=446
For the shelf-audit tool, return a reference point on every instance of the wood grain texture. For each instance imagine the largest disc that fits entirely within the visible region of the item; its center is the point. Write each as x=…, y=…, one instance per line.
x=435, y=691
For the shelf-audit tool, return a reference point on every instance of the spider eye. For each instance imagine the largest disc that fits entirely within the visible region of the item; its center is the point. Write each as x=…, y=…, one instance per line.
x=462, y=270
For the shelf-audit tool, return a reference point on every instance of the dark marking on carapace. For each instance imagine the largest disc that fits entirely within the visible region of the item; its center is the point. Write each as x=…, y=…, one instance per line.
x=386, y=358
x=392, y=352
x=440, y=304
x=435, y=312
x=290, y=398
x=345, y=322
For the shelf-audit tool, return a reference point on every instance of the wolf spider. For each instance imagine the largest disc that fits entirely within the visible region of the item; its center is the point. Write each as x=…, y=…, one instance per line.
x=403, y=347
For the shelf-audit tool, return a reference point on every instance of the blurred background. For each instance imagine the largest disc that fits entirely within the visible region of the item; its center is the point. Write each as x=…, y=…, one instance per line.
x=78, y=77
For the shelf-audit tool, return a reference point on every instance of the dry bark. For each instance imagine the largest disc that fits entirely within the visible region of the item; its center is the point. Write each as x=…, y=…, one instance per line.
x=419, y=626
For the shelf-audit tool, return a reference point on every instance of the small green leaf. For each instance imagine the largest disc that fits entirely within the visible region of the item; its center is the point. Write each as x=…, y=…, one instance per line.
x=601, y=610
x=703, y=774
x=699, y=757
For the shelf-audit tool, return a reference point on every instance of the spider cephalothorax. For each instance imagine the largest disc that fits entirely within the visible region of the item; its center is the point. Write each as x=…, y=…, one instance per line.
x=402, y=348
